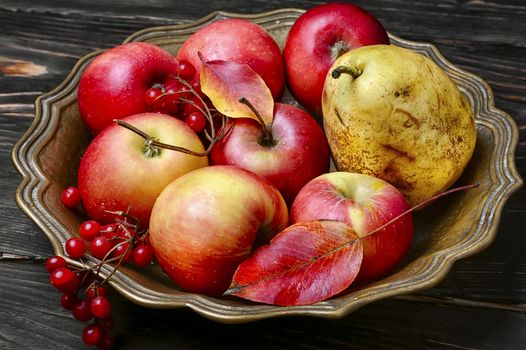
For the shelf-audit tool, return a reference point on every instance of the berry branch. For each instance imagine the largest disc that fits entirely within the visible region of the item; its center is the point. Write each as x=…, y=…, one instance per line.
x=115, y=243
x=152, y=145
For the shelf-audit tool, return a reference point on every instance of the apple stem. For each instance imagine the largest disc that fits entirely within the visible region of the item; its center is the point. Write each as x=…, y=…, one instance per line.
x=352, y=71
x=268, y=139
x=151, y=144
x=338, y=49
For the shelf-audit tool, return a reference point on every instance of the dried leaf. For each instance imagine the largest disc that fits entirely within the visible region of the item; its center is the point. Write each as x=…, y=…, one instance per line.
x=306, y=263
x=225, y=82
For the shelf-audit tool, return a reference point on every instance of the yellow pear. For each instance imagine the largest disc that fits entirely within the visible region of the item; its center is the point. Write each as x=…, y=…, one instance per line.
x=394, y=114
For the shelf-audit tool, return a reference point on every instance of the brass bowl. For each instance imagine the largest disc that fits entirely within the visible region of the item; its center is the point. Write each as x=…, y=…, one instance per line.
x=463, y=224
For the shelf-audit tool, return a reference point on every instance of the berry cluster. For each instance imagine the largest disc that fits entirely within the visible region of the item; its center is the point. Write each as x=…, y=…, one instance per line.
x=175, y=98
x=84, y=293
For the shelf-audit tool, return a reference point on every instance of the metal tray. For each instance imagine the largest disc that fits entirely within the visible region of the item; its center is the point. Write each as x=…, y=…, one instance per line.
x=48, y=155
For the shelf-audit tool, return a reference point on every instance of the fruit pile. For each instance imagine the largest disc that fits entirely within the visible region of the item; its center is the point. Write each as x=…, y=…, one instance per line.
x=195, y=161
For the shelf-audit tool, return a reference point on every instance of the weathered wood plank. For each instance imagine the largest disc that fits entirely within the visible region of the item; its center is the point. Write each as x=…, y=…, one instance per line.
x=30, y=303
x=479, y=305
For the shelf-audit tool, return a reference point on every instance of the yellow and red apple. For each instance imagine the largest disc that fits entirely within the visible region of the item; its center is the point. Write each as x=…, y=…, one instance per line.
x=206, y=222
x=119, y=171
x=365, y=203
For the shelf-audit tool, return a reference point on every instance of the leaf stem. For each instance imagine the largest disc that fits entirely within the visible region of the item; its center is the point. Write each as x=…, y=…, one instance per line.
x=421, y=205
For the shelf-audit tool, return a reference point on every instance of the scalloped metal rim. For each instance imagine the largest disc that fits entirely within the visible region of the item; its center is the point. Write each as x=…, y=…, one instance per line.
x=436, y=266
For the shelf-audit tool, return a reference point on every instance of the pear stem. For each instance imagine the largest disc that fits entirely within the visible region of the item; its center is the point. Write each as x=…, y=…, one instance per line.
x=268, y=139
x=352, y=71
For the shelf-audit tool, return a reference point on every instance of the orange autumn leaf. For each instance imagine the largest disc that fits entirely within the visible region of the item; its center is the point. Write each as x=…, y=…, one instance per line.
x=226, y=82
x=304, y=264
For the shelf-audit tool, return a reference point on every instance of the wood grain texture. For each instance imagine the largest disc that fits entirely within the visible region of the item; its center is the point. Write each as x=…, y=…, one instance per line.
x=480, y=305
x=390, y=324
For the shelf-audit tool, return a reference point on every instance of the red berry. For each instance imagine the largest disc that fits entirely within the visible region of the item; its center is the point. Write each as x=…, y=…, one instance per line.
x=64, y=280
x=74, y=285
x=106, y=343
x=108, y=231
x=95, y=291
x=82, y=311
x=92, y=334
x=89, y=229
x=120, y=249
x=151, y=95
x=186, y=70
x=75, y=247
x=196, y=85
x=99, y=247
x=100, y=307
x=146, y=240
x=70, y=197
x=54, y=263
x=68, y=301
x=81, y=276
x=169, y=100
x=142, y=255
x=124, y=233
x=168, y=104
x=173, y=85
x=193, y=105
x=196, y=121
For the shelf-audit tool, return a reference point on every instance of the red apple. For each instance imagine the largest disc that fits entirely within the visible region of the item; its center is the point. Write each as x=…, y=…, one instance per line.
x=318, y=38
x=209, y=220
x=119, y=171
x=114, y=84
x=240, y=41
x=297, y=153
x=366, y=203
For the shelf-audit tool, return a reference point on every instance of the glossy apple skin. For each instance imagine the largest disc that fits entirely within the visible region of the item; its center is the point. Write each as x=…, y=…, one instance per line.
x=115, y=174
x=113, y=85
x=240, y=41
x=317, y=38
x=365, y=203
x=299, y=153
x=208, y=221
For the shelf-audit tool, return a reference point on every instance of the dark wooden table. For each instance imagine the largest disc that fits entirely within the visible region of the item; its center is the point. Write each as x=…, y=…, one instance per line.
x=480, y=305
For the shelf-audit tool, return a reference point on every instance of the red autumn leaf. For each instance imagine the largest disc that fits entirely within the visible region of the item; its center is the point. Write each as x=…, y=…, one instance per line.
x=305, y=263
x=226, y=82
